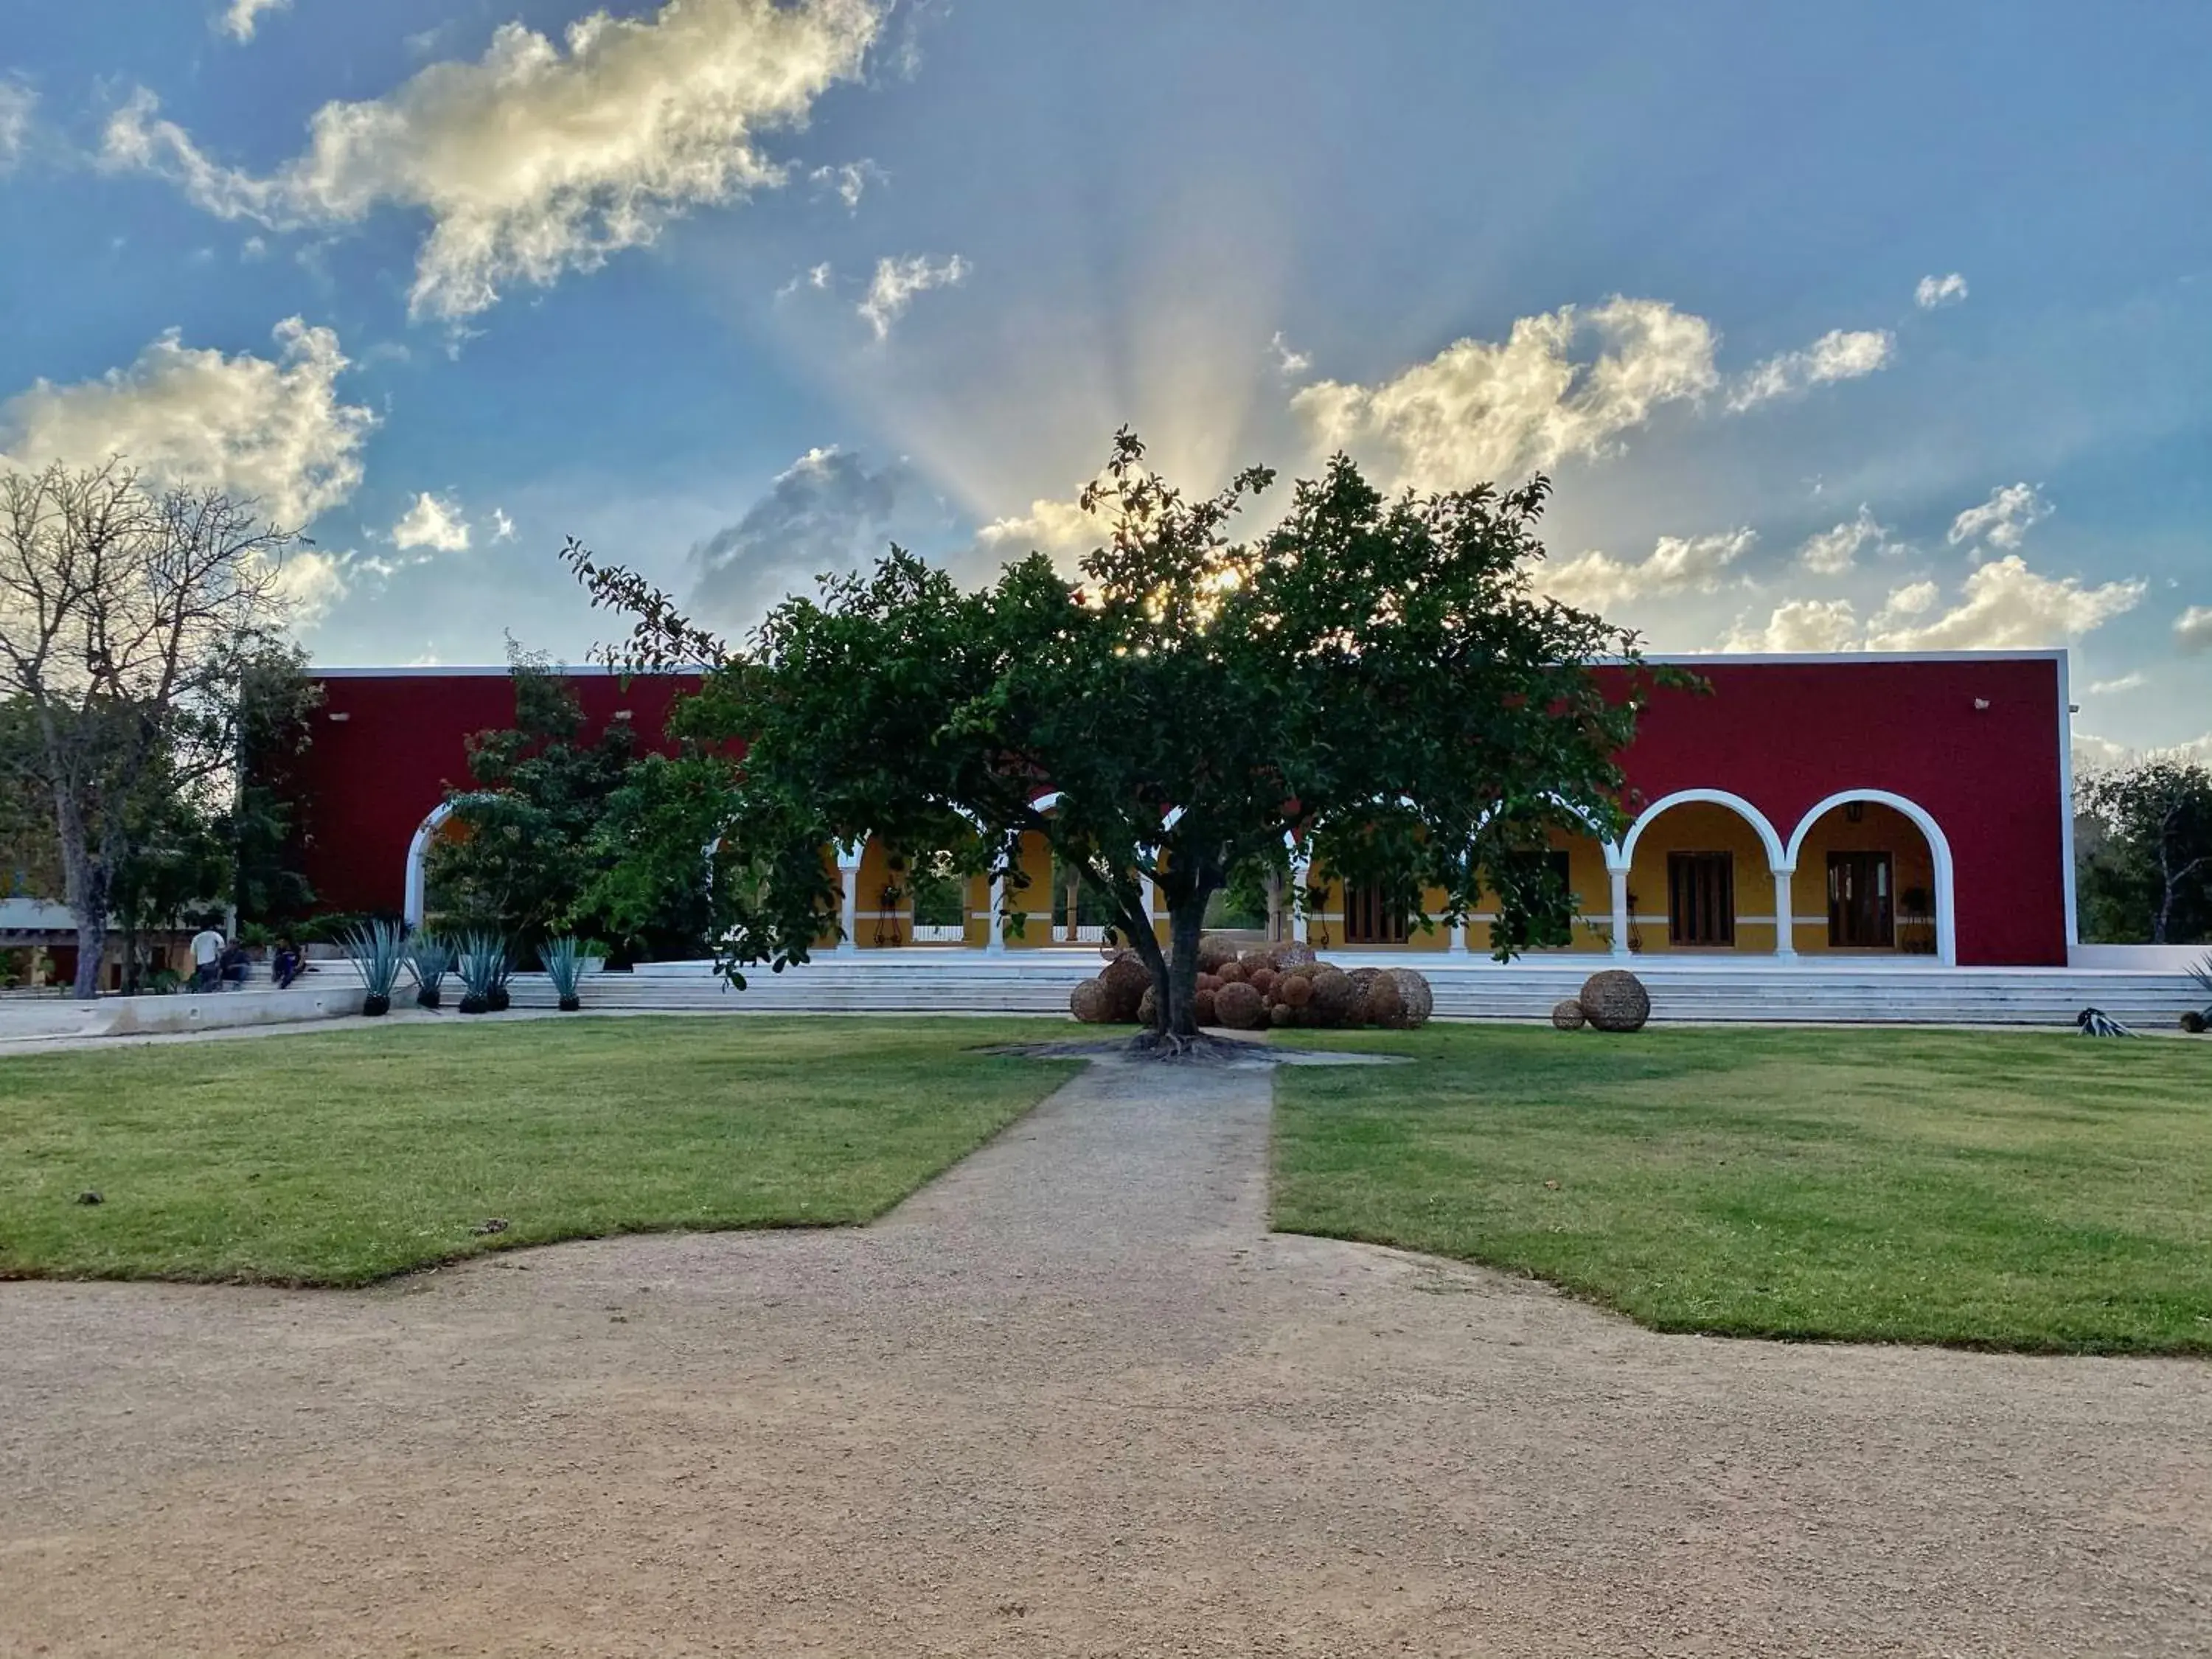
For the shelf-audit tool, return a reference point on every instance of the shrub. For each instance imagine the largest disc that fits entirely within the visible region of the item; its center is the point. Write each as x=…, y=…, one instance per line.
x=429, y=959
x=484, y=969
x=564, y=966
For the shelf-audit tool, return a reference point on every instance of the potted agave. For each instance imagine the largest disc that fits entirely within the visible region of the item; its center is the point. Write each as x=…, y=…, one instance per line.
x=378, y=951
x=564, y=961
x=429, y=959
x=482, y=965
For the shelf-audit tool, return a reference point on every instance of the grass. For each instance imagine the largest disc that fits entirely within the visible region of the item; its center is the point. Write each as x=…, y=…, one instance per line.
x=343, y=1157
x=2032, y=1192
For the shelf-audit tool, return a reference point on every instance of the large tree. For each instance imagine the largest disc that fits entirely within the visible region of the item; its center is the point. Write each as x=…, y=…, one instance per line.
x=131, y=621
x=2150, y=875
x=1376, y=677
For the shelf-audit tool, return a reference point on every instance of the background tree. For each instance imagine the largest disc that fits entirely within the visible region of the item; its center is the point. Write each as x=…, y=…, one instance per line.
x=129, y=621
x=1375, y=675
x=2146, y=875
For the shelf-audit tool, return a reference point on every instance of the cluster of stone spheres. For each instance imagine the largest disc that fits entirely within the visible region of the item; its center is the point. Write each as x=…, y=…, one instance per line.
x=1614, y=1000
x=1285, y=985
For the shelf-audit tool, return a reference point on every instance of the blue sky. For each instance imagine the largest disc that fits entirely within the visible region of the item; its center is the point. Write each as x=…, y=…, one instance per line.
x=1862, y=327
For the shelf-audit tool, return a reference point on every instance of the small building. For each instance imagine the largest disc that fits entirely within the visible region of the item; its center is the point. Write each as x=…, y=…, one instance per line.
x=1799, y=808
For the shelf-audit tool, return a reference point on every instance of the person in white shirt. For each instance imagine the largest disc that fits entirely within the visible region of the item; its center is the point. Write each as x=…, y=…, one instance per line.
x=207, y=957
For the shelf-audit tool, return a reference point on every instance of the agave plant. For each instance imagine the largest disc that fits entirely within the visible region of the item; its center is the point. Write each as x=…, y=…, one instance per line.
x=379, y=952
x=2196, y=1020
x=429, y=959
x=564, y=966
x=483, y=966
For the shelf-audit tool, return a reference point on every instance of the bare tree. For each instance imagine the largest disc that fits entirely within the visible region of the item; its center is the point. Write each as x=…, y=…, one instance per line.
x=128, y=617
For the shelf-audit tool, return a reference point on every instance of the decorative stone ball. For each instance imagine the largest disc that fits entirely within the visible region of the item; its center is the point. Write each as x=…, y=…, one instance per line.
x=1568, y=1016
x=1417, y=999
x=1615, y=1000
x=1091, y=1002
x=1261, y=979
x=1239, y=1007
x=1281, y=1016
x=1212, y=952
x=1202, y=1008
x=1333, y=996
x=1148, y=1006
x=1381, y=1005
x=1294, y=990
x=2194, y=1023
x=1209, y=981
x=1230, y=973
x=1253, y=961
x=1295, y=956
x=1126, y=980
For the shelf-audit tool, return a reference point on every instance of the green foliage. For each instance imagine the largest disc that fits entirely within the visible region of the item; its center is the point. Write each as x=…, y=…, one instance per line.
x=2023, y=1191
x=2146, y=873
x=430, y=958
x=1376, y=674
x=342, y=1158
x=484, y=967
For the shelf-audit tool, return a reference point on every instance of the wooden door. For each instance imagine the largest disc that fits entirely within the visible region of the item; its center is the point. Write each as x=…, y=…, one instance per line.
x=1701, y=898
x=1861, y=905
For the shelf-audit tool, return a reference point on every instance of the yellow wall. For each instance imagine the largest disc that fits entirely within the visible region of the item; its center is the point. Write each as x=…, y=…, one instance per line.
x=1883, y=830
x=1702, y=827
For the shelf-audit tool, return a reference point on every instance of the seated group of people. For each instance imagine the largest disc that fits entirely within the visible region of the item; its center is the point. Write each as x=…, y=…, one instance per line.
x=219, y=963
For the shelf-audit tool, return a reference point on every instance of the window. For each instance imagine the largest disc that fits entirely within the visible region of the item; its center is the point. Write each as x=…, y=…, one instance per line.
x=1701, y=898
x=1370, y=918
x=1860, y=914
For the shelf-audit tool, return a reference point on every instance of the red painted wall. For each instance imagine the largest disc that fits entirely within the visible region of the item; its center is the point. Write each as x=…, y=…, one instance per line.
x=1782, y=735
x=388, y=746
x=1786, y=735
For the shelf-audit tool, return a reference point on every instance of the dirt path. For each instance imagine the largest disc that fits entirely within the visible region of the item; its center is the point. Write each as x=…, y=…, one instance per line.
x=1072, y=1400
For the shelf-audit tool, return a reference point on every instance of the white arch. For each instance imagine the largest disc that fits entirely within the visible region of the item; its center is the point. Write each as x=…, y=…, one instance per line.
x=412, y=903
x=1778, y=859
x=1939, y=847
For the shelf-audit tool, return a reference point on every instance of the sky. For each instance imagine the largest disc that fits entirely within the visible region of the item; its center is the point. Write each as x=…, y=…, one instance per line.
x=1872, y=327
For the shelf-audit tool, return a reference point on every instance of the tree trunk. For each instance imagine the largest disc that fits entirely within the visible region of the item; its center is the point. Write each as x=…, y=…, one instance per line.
x=91, y=955
x=1175, y=983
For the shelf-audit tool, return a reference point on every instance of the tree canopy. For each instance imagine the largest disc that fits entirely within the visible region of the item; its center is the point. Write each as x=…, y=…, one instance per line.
x=2147, y=876
x=1376, y=677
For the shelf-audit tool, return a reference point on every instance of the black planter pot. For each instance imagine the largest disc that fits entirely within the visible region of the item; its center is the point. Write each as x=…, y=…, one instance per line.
x=472, y=1004
x=498, y=1001
x=569, y=1004
x=429, y=997
x=373, y=1006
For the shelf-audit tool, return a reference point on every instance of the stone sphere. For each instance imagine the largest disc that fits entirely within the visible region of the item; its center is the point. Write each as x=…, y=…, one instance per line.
x=1239, y=1007
x=1091, y=1002
x=1230, y=973
x=1126, y=980
x=1279, y=1015
x=1295, y=956
x=1333, y=996
x=1382, y=1005
x=1294, y=990
x=1212, y=952
x=1615, y=1000
x=1568, y=1016
x=1253, y=961
x=1417, y=999
x=1261, y=979
x=1202, y=1009
x=1148, y=1006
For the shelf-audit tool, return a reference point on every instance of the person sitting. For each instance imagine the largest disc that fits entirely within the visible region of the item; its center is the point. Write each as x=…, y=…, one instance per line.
x=285, y=965
x=236, y=966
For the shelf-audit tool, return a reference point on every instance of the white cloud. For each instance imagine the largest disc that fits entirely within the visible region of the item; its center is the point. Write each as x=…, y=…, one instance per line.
x=502, y=527
x=434, y=523
x=540, y=158
x=19, y=104
x=1934, y=292
x=310, y=584
x=275, y=431
x=1799, y=626
x=898, y=281
x=1288, y=363
x=847, y=183
x=1836, y=355
x=2094, y=754
x=243, y=17
x=1479, y=412
x=2004, y=520
x=2004, y=604
x=826, y=512
x=814, y=276
x=1677, y=565
x=2192, y=628
x=1061, y=531
x=2113, y=687
x=1832, y=552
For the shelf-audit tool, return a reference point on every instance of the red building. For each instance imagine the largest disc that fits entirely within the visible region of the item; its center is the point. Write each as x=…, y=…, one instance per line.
x=1859, y=804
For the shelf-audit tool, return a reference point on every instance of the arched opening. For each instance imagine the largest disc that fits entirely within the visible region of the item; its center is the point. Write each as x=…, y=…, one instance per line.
x=1875, y=873
x=1706, y=874
x=439, y=825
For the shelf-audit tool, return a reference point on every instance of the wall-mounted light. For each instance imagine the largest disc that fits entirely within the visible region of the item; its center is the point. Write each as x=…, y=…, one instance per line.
x=340, y=720
x=1855, y=811
x=1981, y=702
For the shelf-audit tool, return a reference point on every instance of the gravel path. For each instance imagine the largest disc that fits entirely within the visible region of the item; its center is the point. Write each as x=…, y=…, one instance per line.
x=1071, y=1401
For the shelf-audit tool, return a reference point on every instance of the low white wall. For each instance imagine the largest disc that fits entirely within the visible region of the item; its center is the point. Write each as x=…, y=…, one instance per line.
x=2139, y=958
x=218, y=1010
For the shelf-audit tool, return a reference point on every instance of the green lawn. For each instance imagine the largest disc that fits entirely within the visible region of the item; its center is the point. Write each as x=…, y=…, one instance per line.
x=2037, y=1191
x=339, y=1159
